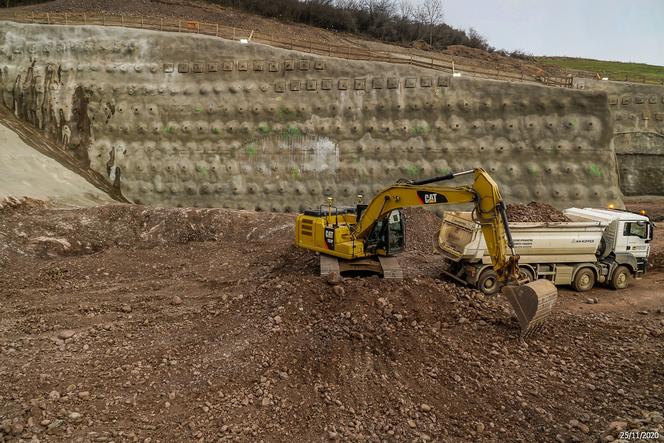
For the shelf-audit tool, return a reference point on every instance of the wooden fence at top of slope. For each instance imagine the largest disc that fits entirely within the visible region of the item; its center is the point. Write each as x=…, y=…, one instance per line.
x=451, y=63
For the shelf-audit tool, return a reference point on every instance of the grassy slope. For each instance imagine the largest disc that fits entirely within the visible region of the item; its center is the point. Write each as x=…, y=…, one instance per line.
x=614, y=70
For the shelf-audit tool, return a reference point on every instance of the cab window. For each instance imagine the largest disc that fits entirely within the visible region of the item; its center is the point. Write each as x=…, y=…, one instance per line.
x=636, y=229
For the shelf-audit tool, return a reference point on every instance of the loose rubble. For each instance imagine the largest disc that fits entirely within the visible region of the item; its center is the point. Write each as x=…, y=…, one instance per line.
x=534, y=212
x=219, y=329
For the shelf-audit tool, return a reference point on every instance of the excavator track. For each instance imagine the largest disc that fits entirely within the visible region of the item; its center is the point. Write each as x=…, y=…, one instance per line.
x=329, y=265
x=388, y=267
x=391, y=268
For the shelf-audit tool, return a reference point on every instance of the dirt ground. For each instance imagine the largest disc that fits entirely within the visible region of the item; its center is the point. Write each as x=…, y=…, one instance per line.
x=128, y=323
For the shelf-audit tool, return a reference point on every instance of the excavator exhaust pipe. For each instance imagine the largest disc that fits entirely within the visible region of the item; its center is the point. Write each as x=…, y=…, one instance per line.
x=532, y=303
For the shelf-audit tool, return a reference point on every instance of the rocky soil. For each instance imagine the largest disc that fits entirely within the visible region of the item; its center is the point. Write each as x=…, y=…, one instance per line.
x=127, y=323
x=534, y=212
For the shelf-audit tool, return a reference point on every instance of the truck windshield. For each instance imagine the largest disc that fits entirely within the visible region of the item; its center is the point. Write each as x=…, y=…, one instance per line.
x=636, y=229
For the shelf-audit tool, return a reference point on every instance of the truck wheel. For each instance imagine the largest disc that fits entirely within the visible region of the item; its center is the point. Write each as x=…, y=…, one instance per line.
x=621, y=277
x=488, y=282
x=584, y=280
x=526, y=274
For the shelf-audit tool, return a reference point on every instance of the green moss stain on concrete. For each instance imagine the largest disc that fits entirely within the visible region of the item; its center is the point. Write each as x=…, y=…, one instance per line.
x=202, y=170
x=292, y=131
x=264, y=128
x=595, y=171
x=419, y=130
x=413, y=170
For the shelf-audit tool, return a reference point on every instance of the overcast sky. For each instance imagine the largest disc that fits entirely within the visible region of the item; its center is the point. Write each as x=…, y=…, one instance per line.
x=622, y=30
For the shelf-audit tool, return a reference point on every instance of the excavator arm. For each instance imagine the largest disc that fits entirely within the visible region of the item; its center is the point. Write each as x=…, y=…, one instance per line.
x=483, y=193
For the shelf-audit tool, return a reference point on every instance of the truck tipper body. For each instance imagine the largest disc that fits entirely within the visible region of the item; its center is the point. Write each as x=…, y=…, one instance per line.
x=594, y=246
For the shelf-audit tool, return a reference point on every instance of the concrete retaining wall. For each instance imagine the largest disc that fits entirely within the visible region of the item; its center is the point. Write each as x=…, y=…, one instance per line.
x=638, y=121
x=198, y=121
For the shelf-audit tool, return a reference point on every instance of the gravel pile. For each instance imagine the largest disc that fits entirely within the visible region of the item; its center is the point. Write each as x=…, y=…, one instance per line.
x=534, y=212
x=421, y=230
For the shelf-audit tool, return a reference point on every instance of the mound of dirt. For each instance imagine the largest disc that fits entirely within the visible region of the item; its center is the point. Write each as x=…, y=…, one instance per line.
x=534, y=212
x=657, y=260
x=11, y=203
x=495, y=60
x=421, y=230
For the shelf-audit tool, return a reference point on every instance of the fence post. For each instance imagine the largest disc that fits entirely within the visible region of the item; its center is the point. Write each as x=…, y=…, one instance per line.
x=161, y=23
x=432, y=62
x=33, y=17
x=309, y=46
x=141, y=22
x=48, y=18
x=217, y=33
x=122, y=20
x=233, y=33
x=103, y=19
x=179, y=23
x=85, y=19
x=349, y=52
x=66, y=18
x=329, y=50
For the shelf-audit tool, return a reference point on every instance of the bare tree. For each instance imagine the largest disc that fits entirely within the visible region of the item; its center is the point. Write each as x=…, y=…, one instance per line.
x=406, y=9
x=379, y=7
x=430, y=12
x=477, y=40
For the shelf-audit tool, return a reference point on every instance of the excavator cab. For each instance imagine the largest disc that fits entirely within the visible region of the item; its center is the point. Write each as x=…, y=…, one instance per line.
x=388, y=235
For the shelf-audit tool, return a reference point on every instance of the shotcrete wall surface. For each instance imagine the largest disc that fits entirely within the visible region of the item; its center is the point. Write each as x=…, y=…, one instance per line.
x=638, y=121
x=175, y=119
x=26, y=172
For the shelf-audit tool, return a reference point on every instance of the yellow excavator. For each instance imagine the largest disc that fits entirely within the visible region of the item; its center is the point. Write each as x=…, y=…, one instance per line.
x=366, y=237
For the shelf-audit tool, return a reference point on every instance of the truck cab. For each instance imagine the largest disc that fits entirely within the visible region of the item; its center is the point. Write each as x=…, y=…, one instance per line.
x=626, y=239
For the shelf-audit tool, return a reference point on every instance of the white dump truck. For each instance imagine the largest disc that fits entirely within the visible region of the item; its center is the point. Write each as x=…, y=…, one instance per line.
x=595, y=246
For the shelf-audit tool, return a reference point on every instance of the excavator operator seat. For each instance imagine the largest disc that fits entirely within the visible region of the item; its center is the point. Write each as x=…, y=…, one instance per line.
x=388, y=234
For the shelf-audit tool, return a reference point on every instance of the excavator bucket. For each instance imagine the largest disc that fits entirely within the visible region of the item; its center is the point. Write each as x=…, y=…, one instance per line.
x=532, y=303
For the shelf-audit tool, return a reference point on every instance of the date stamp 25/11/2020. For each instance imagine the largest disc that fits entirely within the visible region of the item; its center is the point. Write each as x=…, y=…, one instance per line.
x=639, y=435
